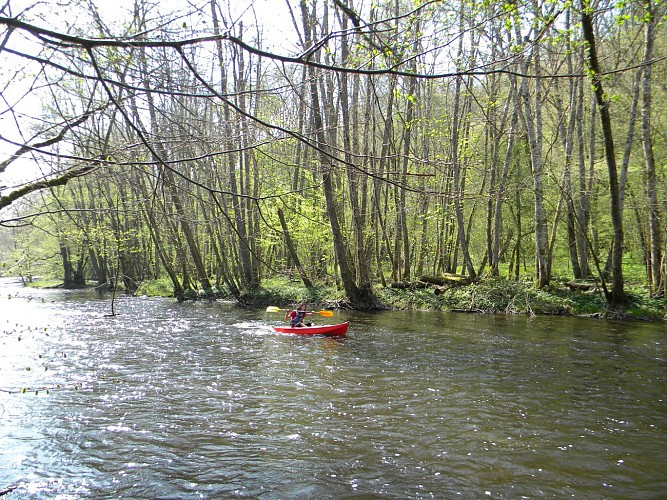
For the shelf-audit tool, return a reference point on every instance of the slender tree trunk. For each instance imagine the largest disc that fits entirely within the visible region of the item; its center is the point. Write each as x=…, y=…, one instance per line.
x=358, y=296
x=402, y=227
x=532, y=118
x=615, y=301
x=500, y=190
x=568, y=135
x=350, y=142
x=292, y=251
x=519, y=234
x=387, y=164
x=584, y=188
x=153, y=228
x=160, y=157
x=243, y=205
x=402, y=217
x=456, y=166
x=654, y=261
x=237, y=164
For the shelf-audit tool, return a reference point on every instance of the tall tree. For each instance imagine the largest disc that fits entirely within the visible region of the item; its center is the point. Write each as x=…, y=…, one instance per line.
x=655, y=266
x=361, y=296
x=458, y=112
x=615, y=299
x=531, y=111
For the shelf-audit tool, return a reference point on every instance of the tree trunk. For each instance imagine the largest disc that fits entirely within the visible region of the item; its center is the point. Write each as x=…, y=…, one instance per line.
x=654, y=261
x=584, y=189
x=237, y=164
x=456, y=167
x=353, y=177
x=292, y=251
x=402, y=226
x=68, y=271
x=532, y=118
x=500, y=190
x=568, y=147
x=153, y=228
x=615, y=301
x=361, y=297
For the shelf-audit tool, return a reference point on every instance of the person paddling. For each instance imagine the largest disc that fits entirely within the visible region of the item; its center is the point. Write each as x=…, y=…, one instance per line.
x=296, y=317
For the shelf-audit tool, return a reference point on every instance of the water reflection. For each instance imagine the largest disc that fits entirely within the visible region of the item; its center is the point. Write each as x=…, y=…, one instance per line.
x=204, y=400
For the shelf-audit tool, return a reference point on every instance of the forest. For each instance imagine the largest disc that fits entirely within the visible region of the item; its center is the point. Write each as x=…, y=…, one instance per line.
x=218, y=147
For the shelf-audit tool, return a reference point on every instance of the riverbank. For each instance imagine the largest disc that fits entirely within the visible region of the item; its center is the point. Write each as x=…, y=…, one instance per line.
x=493, y=296
x=521, y=297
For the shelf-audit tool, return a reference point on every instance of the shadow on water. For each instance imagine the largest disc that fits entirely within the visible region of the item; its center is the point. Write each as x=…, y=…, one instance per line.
x=203, y=399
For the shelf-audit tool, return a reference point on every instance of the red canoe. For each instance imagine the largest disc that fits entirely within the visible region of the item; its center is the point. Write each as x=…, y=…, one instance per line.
x=338, y=330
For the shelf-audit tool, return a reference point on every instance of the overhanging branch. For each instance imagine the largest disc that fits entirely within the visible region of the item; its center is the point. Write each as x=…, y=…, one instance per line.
x=32, y=147
x=43, y=184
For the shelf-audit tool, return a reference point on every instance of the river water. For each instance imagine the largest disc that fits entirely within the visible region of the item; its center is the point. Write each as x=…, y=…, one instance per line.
x=203, y=400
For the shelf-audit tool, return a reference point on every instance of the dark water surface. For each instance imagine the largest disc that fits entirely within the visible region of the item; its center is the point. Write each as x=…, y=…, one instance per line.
x=202, y=400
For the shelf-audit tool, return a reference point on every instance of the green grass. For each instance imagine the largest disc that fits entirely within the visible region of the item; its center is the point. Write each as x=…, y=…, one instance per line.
x=45, y=283
x=161, y=287
x=642, y=306
x=521, y=297
x=282, y=293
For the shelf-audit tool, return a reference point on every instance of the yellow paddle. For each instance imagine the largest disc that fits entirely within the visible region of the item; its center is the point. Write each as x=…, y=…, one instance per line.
x=274, y=309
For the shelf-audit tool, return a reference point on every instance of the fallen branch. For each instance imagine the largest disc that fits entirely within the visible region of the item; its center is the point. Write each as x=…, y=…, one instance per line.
x=584, y=286
x=7, y=490
x=447, y=279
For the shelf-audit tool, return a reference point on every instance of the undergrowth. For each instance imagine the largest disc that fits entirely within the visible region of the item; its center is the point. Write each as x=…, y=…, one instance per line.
x=522, y=297
x=491, y=295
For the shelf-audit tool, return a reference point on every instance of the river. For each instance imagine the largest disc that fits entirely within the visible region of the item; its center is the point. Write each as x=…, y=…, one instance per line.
x=203, y=400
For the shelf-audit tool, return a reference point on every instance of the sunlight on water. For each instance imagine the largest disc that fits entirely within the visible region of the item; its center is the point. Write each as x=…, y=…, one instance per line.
x=205, y=400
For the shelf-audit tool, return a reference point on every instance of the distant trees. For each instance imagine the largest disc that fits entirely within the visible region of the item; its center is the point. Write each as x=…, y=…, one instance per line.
x=395, y=141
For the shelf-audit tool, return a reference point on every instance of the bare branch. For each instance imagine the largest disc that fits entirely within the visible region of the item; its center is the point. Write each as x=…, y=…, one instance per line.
x=63, y=40
x=49, y=142
x=43, y=184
